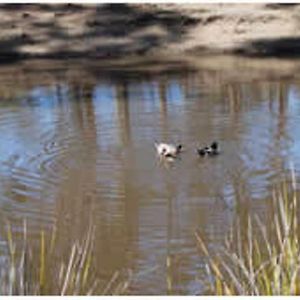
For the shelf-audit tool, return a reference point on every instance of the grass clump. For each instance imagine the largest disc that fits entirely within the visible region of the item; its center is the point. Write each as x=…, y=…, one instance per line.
x=41, y=270
x=260, y=258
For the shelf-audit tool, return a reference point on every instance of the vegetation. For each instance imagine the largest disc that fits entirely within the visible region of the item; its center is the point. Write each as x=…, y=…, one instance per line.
x=264, y=259
x=260, y=258
x=42, y=271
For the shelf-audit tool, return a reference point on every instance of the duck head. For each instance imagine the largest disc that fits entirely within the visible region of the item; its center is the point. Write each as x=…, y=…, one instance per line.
x=179, y=148
x=201, y=152
x=214, y=146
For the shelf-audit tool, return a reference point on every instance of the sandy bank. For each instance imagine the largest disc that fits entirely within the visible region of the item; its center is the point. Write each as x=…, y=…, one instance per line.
x=164, y=30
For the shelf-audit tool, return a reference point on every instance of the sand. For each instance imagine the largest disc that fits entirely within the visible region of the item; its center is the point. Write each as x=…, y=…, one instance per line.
x=157, y=30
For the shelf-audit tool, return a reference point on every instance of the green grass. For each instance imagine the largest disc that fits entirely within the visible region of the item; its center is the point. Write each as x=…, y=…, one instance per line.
x=41, y=270
x=260, y=258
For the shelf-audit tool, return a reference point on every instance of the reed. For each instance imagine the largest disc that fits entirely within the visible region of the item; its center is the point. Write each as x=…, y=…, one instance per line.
x=42, y=271
x=260, y=258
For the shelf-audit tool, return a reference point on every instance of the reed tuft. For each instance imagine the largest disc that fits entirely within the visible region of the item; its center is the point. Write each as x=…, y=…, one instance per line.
x=261, y=259
x=28, y=271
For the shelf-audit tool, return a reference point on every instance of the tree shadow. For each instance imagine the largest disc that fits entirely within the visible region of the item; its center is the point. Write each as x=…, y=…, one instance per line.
x=123, y=19
x=278, y=47
x=280, y=5
x=107, y=30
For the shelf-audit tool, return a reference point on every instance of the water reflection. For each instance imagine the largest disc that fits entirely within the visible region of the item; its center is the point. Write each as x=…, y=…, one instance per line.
x=74, y=152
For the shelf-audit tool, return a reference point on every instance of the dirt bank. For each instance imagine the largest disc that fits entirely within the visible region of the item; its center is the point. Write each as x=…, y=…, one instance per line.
x=161, y=30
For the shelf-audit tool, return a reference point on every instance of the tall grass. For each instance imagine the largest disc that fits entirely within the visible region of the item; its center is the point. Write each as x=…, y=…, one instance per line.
x=261, y=258
x=41, y=270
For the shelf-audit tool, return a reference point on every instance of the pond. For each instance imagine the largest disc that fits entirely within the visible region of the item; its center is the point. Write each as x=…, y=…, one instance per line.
x=78, y=147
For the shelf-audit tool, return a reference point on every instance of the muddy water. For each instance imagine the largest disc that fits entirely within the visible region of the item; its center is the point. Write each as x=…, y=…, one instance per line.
x=80, y=150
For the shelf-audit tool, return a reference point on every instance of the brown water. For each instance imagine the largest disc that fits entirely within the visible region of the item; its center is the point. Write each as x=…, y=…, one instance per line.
x=80, y=148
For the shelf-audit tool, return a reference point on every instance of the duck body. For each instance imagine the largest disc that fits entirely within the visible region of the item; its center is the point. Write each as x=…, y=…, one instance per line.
x=211, y=150
x=168, y=150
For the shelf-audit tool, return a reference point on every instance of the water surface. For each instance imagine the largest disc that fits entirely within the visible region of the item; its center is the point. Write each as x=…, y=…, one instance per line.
x=80, y=149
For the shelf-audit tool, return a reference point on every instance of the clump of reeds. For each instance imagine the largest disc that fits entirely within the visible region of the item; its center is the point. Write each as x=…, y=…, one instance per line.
x=261, y=258
x=42, y=271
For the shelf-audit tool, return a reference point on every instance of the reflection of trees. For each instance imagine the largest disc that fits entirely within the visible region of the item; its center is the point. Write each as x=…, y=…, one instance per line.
x=131, y=198
x=85, y=171
x=281, y=135
x=117, y=231
x=170, y=257
x=234, y=98
x=282, y=99
x=77, y=128
x=123, y=114
x=163, y=113
x=239, y=100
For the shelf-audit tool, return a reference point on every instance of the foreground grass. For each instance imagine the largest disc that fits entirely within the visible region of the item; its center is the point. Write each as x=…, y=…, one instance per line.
x=41, y=270
x=264, y=259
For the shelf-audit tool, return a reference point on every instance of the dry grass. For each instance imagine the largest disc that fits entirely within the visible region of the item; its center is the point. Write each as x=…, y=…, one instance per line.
x=29, y=271
x=264, y=259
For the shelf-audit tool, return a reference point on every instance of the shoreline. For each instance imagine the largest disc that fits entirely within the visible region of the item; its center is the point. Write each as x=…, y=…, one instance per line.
x=219, y=71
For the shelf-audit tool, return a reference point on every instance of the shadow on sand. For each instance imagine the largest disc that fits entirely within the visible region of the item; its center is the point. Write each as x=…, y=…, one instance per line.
x=109, y=30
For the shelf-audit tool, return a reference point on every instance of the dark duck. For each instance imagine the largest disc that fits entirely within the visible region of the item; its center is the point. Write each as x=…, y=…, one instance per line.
x=211, y=150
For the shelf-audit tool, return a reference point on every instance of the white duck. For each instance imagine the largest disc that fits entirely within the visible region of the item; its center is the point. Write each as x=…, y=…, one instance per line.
x=168, y=150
